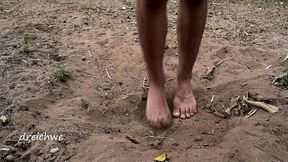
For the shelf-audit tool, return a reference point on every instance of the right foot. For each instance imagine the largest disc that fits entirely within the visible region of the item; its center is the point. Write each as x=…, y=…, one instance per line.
x=157, y=111
x=184, y=101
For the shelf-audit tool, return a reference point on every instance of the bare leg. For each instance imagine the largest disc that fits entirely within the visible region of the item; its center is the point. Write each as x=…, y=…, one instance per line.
x=191, y=22
x=152, y=26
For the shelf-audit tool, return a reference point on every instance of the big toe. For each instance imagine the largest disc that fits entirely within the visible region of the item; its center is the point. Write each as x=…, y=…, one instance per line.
x=176, y=112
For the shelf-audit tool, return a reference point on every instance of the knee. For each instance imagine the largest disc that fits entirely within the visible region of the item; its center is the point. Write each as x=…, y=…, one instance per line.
x=153, y=4
x=194, y=2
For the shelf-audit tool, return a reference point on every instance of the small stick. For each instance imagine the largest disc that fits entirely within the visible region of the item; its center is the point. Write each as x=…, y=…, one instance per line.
x=108, y=73
x=133, y=140
x=251, y=113
x=212, y=99
x=126, y=27
x=24, y=61
x=219, y=115
x=89, y=53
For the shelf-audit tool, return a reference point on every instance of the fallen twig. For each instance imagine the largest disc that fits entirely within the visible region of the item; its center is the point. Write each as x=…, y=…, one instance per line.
x=209, y=73
x=133, y=140
x=24, y=61
x=212, y=99
x=108, y=73
x=90, y=53
x=251, y=113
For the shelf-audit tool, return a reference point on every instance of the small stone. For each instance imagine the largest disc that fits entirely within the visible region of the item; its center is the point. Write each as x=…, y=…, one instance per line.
x=9, y=158
x=3, y=119
x=175, y=144
x=236, y=113
x=54, y=150
x=231, y=155
x=199, y=138
x=83, y=58
x=208, y=106
x=35, y=61
x=106, y=88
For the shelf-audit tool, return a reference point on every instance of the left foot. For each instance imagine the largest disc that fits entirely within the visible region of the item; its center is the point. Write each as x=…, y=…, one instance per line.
x=184, y=101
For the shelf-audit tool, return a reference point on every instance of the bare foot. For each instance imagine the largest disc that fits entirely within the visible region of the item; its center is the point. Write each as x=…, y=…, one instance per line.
x=184, y=101
x=157, y=112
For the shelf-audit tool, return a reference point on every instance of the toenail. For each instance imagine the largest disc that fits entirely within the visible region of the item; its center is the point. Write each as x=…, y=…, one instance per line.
x=176, y=114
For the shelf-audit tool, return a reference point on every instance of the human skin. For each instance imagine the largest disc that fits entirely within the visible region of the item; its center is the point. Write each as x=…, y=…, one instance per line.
x=152, y=27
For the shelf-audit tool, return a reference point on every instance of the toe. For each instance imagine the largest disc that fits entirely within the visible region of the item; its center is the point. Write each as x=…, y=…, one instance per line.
x=176, y=112
x=188, y=113
x=192, y=111
x=183, y=113
x=194, y=107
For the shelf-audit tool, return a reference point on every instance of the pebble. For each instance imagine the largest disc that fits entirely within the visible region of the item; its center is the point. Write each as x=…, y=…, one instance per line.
x=199, y=138
x=208, y=106
x=54, y=150
x=3, y=119
x=9, y=158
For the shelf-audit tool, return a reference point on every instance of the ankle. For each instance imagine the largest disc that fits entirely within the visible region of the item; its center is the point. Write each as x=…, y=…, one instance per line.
x=184, y=87
x=156, y=86
x=183, y=82
x=184, y=78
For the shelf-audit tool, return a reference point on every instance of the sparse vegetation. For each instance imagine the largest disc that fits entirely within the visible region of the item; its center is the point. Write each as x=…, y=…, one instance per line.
x=62, y=75
x=267, y=3
x=88, y=105
x=284, y=80
x=90, y=6
x=25, y=44
x=126, y=4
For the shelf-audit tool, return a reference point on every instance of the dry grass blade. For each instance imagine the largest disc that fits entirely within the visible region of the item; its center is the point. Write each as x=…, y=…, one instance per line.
x=279, y=63
x=251, y=113
x=145, y=83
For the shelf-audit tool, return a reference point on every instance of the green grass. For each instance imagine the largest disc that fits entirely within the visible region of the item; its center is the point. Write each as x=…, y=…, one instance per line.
x=126, y=4
x=284, y=80
x=268, y=3
x=25, y=44
x=62, y=75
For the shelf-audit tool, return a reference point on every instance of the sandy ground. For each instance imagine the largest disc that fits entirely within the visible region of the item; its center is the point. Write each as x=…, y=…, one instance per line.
x=95, y=112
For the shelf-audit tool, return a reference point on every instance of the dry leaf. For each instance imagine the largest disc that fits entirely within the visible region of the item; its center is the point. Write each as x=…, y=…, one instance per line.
x=161, y=158
x=233, y=104
x=262, y=105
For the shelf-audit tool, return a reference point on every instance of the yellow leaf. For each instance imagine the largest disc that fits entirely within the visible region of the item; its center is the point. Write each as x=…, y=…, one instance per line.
x=161, y=158
x=262, y=105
